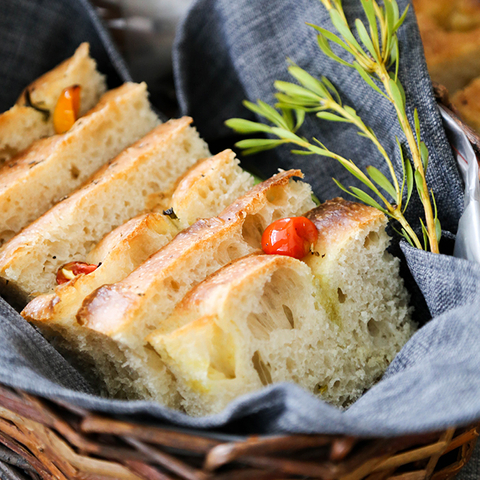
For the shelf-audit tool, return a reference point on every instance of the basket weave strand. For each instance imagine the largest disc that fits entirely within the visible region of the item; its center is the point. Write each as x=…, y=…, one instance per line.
x=55, y=440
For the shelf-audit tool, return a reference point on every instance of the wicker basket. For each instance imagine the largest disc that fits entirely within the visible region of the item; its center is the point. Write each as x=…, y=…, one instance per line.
x=54, y=440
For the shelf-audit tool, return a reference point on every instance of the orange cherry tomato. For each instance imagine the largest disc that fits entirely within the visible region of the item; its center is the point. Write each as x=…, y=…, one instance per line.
x=72, y=270
x=67, y=109
x=289, y=236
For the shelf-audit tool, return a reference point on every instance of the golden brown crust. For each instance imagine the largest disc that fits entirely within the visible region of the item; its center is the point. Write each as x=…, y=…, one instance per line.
x=196, y=172
x=111, y=307
x=249, y=203
x=41, y=88
x=119, y=167
x=338, y=220
x=129, y=244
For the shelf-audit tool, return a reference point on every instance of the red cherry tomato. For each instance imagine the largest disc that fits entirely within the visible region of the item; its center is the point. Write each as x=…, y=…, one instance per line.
x=73, y=269
x=289, y=236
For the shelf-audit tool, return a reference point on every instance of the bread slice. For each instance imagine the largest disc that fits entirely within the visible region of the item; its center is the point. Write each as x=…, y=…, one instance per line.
x=116, y=193
x=467, y=102
x=210, y=187
x=253, y=323
x=53, y=167
x=362, y=293
x=23, y=124
x=129, y=245
x=331, y=328
x=127, y=311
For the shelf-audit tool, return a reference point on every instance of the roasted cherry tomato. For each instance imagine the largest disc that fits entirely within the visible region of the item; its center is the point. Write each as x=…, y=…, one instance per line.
x=67, y=109
x=73, y=269
x=289, y=236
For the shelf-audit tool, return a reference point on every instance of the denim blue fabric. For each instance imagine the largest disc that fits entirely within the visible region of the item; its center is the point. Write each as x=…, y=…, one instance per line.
x=227, y=51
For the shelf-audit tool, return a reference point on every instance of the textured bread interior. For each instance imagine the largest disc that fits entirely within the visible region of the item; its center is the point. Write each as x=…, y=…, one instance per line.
x=115, y=194
x=365, y=298
x=332, y=328
x=129, y=310
x=22, y=124
x=124, y=249
x=210, y=187
x=53, y=167
x=244, y=334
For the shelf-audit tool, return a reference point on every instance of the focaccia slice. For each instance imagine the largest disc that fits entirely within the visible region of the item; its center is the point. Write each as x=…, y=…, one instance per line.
x=51, y=168
x=251, y=324
x=362, y=292
x=116, y=193
x=128, y=246
x=127, y=311
x=331, y=328
x=23, y=124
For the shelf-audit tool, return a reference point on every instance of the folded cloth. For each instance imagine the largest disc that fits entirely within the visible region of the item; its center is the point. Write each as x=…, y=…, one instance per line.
x=226, y=52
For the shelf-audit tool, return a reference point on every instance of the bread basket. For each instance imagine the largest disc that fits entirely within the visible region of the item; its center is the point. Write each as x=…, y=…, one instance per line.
x=52, y=439
x=56, y=440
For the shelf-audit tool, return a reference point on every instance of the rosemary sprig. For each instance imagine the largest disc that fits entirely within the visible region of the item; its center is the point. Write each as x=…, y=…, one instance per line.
x=377, y=63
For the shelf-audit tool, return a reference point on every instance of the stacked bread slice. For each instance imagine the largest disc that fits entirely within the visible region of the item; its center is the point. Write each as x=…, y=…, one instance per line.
x=331, y=323
x=177, y=301
x=52, y=167
x=31, y=118
x=129, y=245
x=121, y=315
x=116, y=193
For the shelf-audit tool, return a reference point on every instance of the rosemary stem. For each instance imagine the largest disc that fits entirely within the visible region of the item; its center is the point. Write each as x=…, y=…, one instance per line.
x=403, y=222
x=374, y=139
x=417, y=161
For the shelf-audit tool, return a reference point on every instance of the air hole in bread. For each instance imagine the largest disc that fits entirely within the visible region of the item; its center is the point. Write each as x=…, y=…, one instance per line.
x=252, y=230
x=373, y=328
x=371, y=240
x=262, y=368
x=74, y=171
x=222, y=355
x=268, y=315
x=233, y=252
x=6, y=235
x=277, y=196
x=288, y=313
x=341, y=296
x=172, y=284
x=186, y=145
